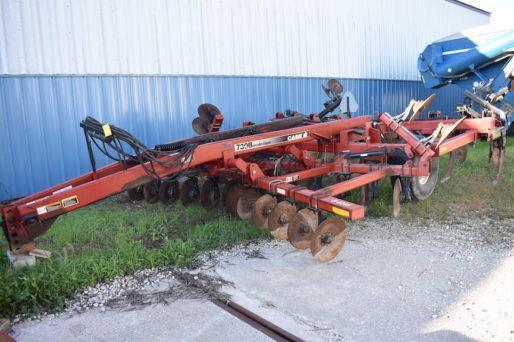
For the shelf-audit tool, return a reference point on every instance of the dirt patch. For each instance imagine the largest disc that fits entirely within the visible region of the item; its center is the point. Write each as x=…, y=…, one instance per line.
x=187, y=286
x=150, y=242
x=254, y=254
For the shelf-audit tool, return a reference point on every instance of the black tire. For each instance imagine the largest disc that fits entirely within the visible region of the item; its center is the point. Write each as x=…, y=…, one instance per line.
x=423, y=187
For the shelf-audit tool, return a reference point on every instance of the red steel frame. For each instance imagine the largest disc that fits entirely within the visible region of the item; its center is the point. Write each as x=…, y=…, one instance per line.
x=29, y=217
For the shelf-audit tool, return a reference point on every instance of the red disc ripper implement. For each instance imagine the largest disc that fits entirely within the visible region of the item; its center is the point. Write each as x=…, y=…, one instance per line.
x=258, y=163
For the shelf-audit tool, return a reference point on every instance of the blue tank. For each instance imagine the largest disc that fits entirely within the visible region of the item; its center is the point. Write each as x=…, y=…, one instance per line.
x=482, y=62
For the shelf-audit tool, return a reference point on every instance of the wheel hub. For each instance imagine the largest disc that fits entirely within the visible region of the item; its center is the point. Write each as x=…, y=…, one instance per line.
x=326, y=238
x=279, y=219
x=301, y=227
x=284, y=218
x=423, y=179
x=304, y=229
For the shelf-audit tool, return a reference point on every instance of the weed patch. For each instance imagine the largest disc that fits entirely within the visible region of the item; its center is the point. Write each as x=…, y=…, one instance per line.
x=468, y=192
x=114, y=238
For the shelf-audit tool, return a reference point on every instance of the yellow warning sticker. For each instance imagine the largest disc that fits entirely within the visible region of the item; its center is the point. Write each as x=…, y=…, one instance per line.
x=443, y=149
x=70, y=201
x=107, y=130
x=341, y=212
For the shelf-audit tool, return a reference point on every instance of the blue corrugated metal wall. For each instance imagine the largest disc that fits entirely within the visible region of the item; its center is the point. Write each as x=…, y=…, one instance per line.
x=42, y=144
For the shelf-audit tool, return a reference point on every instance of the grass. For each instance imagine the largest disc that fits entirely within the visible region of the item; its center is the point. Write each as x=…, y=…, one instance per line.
x=467, y=192
x=116, y=237
x=113, y=238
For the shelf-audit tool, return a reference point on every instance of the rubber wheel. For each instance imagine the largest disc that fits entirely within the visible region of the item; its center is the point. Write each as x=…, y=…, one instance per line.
x=424, y=186
x=168, y=192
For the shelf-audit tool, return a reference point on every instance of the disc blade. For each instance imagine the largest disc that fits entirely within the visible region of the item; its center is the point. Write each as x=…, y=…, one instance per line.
x=335, y=86
x=246, y=202
x=200, y=125
x=279, y=219
x=233, y=195
x=188, y=190
x=168, y=192
x=262, y=209
x=302, y=226
x=135, y=194
x=226, y=190
x=209, y=193
x=151, y=192
x=208, y=111
x=328, y=239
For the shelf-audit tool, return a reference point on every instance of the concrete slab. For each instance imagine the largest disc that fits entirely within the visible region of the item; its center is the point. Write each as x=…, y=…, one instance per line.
x=381, y=287
x=181, y=320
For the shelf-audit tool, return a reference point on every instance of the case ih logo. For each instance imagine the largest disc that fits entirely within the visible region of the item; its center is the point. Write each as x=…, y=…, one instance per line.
x=297, y=136
x=250, y=145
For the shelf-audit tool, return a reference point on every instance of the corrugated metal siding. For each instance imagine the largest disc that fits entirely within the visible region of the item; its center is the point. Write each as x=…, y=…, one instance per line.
x=42, y=143
x=377, y=39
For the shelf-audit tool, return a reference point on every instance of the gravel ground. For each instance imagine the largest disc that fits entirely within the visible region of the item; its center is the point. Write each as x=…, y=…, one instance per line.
x=394, y=280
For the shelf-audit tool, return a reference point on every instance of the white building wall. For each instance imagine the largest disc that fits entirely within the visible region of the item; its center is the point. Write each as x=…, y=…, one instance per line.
x=378, y=39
